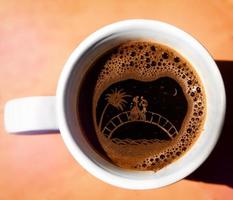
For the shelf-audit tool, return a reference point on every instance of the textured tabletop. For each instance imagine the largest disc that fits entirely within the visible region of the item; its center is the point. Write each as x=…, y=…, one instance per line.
x=36, y=38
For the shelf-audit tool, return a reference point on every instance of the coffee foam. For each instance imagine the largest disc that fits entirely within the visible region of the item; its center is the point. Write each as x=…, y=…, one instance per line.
x=147, y=61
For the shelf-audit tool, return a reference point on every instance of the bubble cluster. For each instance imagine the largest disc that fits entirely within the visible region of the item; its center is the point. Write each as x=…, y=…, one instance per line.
x=146, y=61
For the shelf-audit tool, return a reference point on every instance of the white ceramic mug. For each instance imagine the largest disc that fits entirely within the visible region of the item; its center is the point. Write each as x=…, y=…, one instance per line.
x=45, y=114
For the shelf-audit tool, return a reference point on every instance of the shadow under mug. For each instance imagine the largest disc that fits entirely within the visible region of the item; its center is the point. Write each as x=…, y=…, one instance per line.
x=49, y=114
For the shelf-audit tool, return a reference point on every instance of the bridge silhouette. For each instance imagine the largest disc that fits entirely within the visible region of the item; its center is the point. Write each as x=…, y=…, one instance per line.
x=150, y=118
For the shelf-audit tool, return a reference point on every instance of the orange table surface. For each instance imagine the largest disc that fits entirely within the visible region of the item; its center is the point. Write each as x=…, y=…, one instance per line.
x=36, y=38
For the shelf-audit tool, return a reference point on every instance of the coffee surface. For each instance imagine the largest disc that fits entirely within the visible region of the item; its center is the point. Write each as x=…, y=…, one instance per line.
x=146, y=105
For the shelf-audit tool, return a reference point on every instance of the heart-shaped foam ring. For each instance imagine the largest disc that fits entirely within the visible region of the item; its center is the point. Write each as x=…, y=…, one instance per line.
x=148, y=105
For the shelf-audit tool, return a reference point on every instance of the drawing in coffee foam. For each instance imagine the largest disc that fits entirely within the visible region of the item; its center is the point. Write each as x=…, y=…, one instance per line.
x=137, y=113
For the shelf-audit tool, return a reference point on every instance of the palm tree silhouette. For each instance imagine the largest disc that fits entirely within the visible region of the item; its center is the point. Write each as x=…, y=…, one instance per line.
x=116, y=99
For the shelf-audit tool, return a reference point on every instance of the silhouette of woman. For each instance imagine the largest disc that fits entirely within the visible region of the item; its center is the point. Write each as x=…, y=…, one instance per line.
x=134, y=113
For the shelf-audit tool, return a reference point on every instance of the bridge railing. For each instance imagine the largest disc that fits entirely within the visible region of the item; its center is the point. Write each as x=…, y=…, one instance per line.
x=150, y=117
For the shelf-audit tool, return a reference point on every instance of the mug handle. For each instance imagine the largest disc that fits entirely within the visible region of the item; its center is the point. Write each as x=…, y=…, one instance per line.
x=31, y=115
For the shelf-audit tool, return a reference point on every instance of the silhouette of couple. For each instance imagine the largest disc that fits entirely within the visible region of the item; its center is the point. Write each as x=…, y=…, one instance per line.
x=138, y=111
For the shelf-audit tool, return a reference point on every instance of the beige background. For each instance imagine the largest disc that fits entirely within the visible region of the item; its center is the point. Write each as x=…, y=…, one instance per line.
x=36, y=38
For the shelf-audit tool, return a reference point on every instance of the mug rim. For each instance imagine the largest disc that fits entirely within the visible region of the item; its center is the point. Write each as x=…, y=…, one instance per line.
x=72, y=146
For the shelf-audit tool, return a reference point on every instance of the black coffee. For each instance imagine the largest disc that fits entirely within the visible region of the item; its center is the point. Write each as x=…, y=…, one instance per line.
x=141, y=105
